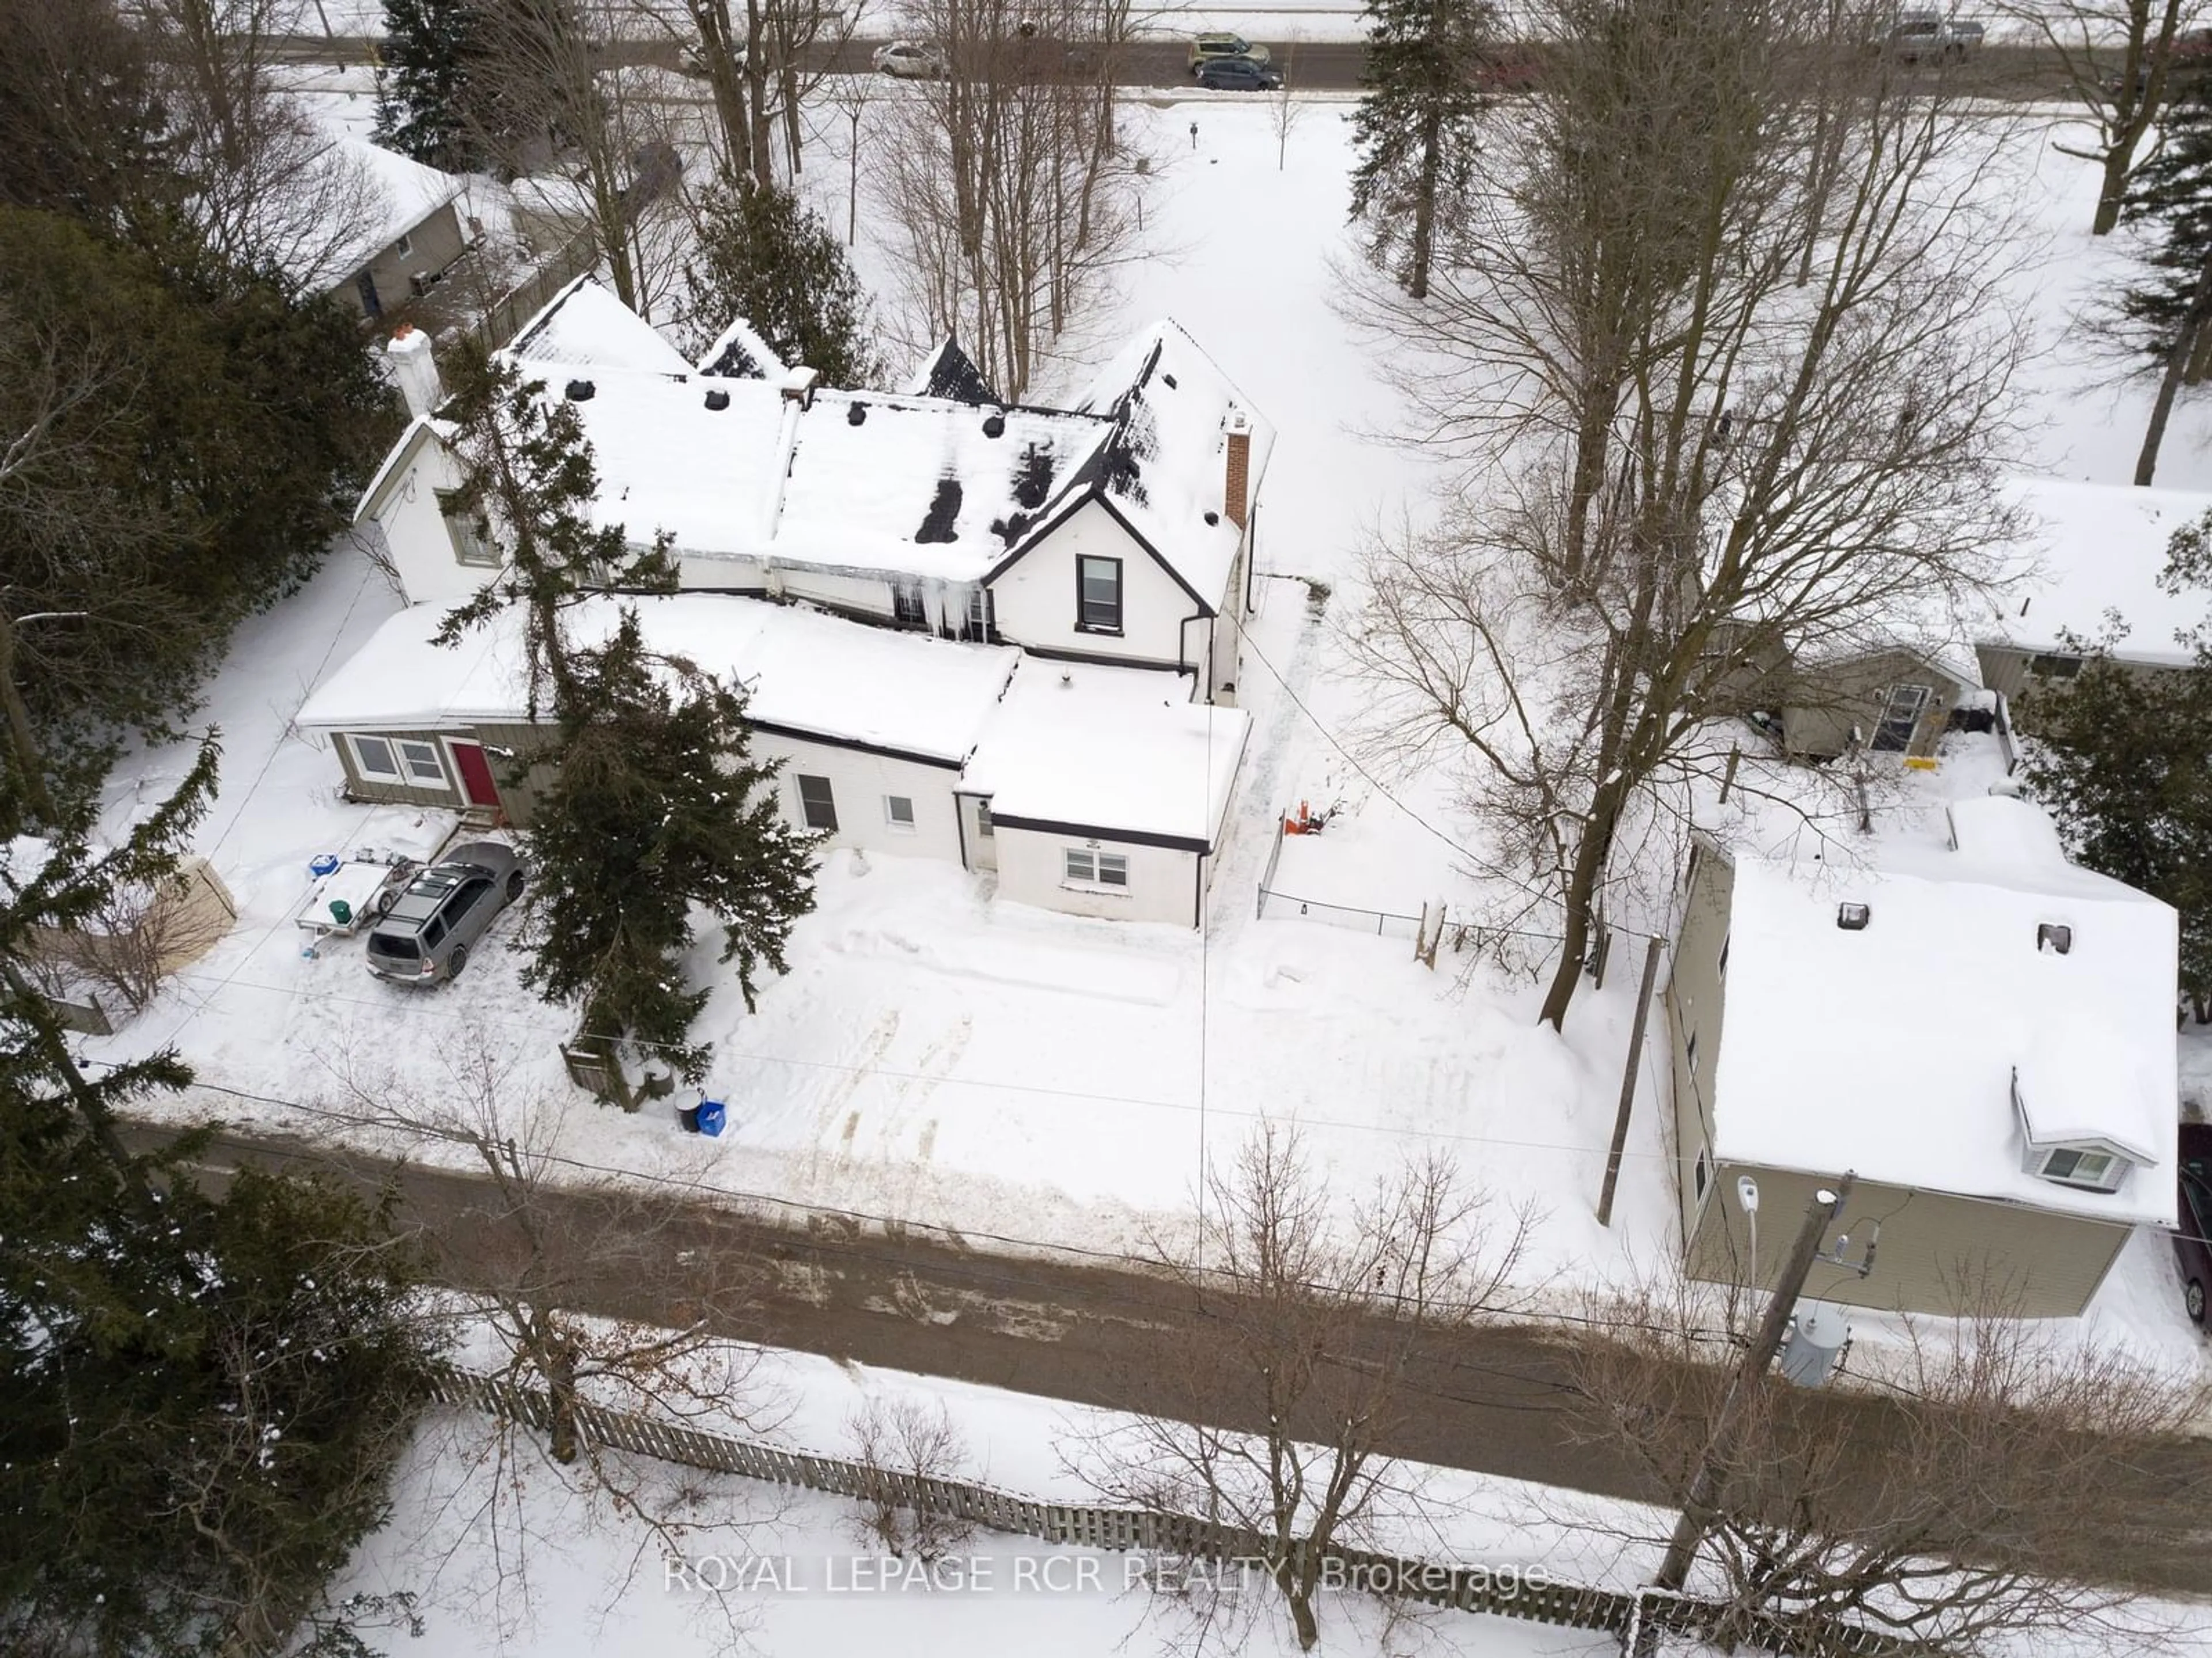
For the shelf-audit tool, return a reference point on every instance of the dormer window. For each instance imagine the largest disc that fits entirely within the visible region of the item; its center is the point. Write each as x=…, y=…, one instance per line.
x=2075, y=1165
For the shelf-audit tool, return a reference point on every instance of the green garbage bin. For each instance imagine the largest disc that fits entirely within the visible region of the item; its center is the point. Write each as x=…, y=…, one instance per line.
x=341, y=912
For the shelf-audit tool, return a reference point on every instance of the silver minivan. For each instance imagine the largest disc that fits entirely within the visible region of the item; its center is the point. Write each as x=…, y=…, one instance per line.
x=424, y=937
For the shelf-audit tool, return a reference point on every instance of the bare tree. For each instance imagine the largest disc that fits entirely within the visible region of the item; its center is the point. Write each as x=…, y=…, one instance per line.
x=1283, y=109
x=2117, y=57
x=1311, y=1322
x=899, y=1443
x=1920, y=1506
x=272, y=189
x=1691, y=462
x=1013, y=194
x=549, y=102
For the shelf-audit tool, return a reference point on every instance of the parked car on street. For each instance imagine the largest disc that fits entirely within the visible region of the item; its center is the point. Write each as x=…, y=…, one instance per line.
x=1923, y=36
x=1238, y=74
x=1212, y=48
x=2192, y=1223
x=911, y=60
x=425, y=937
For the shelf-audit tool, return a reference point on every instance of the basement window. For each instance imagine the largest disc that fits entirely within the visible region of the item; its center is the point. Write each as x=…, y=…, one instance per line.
x=898, y=812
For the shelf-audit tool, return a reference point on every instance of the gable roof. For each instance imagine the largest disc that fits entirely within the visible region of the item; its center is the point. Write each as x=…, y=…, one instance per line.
x=739, y=353
x=949, y=372
x=1947, y=997
x=811, y=675
x=586, y=327
x=420, y=431
x=2101, y=548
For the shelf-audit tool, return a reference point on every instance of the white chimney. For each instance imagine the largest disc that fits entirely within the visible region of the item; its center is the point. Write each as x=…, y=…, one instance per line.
x=415, y=368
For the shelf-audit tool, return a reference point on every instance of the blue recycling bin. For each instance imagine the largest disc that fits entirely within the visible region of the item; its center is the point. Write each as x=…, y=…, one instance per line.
x=714, y=1116
x=327, y=864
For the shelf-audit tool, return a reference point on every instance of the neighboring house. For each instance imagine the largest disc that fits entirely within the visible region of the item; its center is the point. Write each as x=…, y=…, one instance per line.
x=1982, y=1033
x=412, y=231
x=2102, y=549
x=1117, y=531
x=1886, y=700
x=1096, y=790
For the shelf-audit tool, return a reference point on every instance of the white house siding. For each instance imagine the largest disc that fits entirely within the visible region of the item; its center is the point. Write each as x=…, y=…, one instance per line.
x=1035, y=598
x=712, y=572
x=1162, y=881
x=859, y=782
x=414, y=534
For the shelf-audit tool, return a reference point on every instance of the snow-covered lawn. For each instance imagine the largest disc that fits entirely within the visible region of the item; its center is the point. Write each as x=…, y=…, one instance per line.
x=934, y=1056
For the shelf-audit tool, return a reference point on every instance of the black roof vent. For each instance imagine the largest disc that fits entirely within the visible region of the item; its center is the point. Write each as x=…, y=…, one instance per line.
x=1211, y=517
x=994, y=426
x=855, y=414
x=581, y=390
x=1853, y=918
x=718, y=399
x=1168, y=381
x=2054, y=936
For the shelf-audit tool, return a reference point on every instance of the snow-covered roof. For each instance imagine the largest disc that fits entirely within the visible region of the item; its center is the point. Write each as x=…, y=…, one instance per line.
x=1163, y=467
x=739, y=352
x=1892, y=1050
x=810, y=674
x=586, y=327
x=402, y=193
x=419, y=430
x=1113, y=748
x=2101, y=548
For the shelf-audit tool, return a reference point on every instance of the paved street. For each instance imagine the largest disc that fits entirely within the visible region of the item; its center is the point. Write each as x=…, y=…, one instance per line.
x=1494, y=1399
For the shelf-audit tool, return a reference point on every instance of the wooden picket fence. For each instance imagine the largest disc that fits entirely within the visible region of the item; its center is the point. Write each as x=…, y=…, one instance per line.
x=1501, y=1593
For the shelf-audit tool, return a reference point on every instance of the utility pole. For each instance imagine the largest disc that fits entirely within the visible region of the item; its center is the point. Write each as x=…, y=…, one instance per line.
x=1710, y=1485
x=1627, y=1082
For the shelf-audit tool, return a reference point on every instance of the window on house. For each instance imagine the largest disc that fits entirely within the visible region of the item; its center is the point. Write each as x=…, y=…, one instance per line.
x=2070, y=1165
x=1726, y=939
x=816, y=804
x=374, y=757
x=898, y=811
x=466, y=530
x=983, y=818
x=1704, y=1174
x=405, y=246
x=1095, y=869
x=906, y=605
x=1900, y=717
x=1098, y=595
x=2054, y=665
x=1690, y=1053
x=422, y=763
x=981, y=612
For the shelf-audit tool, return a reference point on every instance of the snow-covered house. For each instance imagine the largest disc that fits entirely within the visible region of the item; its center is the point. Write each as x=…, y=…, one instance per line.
x=411, y=231
x=1116, y=530
x=1982, y=1032
x=2101, y=551
x=1096, y=790
x=999, y=635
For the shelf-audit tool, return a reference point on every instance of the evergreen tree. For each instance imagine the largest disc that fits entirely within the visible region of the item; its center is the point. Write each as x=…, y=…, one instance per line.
x=657, y=807
x=651, y=812
x=206, y=1395
x=425, y=92
x=2166, y=311
x=1417, y=128
x=765, y=256
x=2123, y=761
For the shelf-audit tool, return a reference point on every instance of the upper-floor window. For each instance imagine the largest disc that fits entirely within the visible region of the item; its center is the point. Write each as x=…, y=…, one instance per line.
x=466, y=530
x=1098, y=595
x=817, y=804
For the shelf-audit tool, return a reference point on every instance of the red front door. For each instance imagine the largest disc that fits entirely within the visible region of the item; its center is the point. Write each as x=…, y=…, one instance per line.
x=475, y=774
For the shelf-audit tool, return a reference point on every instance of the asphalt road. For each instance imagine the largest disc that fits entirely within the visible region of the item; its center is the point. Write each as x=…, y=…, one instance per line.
x=1998, y=71
x=1498, y=1398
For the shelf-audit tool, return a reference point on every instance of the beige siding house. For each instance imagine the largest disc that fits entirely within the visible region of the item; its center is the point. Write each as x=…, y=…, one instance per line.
x=1979, y=1031
x=1888, y=702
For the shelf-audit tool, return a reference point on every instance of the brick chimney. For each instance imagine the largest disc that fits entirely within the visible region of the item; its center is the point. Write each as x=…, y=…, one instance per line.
x=415, y=368
x=1236, y=488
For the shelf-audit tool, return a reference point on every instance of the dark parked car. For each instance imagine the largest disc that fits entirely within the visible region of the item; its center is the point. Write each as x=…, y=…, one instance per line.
x=424, y=937
x=1238, y=74
x=2192, y=1221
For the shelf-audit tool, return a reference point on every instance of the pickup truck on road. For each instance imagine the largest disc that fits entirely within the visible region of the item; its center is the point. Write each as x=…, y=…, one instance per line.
x=1927, y=37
